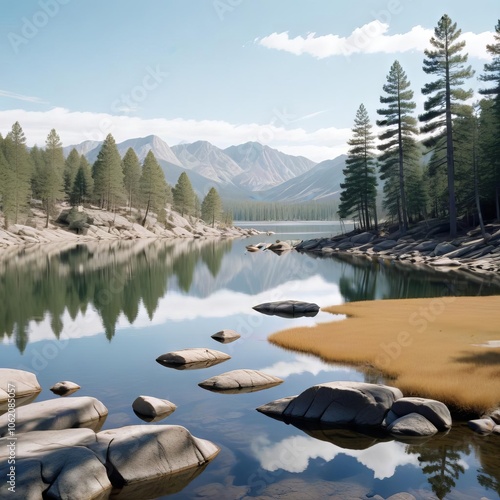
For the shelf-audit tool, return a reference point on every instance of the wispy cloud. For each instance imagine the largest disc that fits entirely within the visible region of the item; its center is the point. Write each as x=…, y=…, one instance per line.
x=75, y=127
x=370, y=38
x=21, y=97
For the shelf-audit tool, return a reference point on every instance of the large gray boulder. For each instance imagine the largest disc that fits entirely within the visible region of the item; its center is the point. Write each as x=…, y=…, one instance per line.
x=444, y=248
x=426, y=246
x=354, y=403
x=288, y=308
x=384, y=245
x=198, y=357
x=362, y=238
x=142, y=452
x=17, y=384
x=148, y=406
x=482, y=425
x=434, y=411
x=57, y=414
x=238, y=381
x=226, y=336
x=412, y=424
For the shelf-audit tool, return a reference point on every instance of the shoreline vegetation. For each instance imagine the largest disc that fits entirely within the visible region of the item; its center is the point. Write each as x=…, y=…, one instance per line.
x=92, y=224
x=444, y=348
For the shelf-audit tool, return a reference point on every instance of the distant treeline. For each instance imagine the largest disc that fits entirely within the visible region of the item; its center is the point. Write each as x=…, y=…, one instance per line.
x=268, y=211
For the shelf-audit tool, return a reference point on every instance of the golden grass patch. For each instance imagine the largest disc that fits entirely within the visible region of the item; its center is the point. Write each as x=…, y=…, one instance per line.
x=426, y=346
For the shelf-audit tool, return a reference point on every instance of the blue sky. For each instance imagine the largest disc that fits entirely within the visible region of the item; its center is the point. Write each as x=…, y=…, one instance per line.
x=288, y=73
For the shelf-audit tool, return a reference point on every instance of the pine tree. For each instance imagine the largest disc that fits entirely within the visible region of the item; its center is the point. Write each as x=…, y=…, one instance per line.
x=398, y=143
x=37, y=157
x=108, y=175
x=445, y=96
x=71, y=166
x=211, y=207
x=153, y=187
x=51, y=181
x=360, y=186
x=16, y=188
x=492, y=75
x=131, y=176
x=184, y=196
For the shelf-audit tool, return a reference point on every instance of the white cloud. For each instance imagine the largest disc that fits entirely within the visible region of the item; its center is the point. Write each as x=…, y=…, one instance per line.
x=293, y=454
x=21, y=97
x=369, y=39
x=75, y=127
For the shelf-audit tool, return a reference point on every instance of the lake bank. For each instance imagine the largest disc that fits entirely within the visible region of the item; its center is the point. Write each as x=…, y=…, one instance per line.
x=101, y=225
x=426, y=244
x=445, y=348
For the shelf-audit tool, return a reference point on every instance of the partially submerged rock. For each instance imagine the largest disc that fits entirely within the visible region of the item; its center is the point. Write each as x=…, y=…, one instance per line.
x=434, y=411
x=15, y=384
x=64, y=388
x=412, y=424
x=280, y=247
x=482, y=425
x=57, y=414
x=153, y=408
x=288, y=308
x=192, y=358
x=239, y=381
x=226, y=336
x=252, y=248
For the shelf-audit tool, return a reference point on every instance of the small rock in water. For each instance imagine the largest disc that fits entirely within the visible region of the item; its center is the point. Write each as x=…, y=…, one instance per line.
x=240, y=381
x=149, y=408
x=64, y=388
x=226, y=336
x=288, y=309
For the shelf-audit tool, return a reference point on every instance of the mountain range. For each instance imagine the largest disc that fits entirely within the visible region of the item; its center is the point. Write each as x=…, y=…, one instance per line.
x=249, y=171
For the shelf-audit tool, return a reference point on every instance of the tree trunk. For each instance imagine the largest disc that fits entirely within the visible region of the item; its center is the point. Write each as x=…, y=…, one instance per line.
x=146, y=214
x=47, y=210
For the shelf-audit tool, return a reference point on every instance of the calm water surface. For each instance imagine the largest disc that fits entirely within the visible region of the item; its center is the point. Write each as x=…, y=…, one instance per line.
x=99, y=315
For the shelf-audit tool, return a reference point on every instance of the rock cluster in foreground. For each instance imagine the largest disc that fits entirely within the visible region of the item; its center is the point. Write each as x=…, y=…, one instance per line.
x=361, y=404
x=426, y=243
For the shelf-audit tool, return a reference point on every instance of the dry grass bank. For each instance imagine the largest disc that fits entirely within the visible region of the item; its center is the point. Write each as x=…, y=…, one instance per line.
x=426, y=346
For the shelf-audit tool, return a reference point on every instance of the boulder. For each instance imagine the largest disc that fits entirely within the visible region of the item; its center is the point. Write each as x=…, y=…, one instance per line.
x=482, y=425
x=252, y=248
x=280, y=247
x=226, y=336
x=276, y=408
x=412, y=424
x=195, y=357
x=142, y=452
x=238, y=381
x=384, y=245
x=64, y=388
x=151, y=407
x=288, y=309
x=426, y=246
x=17, y=384
x=444, y=248
x=434, y=411
x=362, y=238
x=355, y=403
x=57, y=414
x=495, y=416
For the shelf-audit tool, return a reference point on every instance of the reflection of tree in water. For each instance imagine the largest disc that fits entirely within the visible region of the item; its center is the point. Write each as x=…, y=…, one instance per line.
x=440, y=459
x=486, y=448
x=360, y=284
x=113, y=279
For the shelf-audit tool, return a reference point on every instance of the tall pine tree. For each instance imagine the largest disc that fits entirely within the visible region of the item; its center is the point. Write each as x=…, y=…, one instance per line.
x=359, y=189
x=71, y=166
x=398, y=145
x=131, y=175
x=108, y=175
x=153, y=187
x=445, y=96
x=211, y=207
x=184, y=195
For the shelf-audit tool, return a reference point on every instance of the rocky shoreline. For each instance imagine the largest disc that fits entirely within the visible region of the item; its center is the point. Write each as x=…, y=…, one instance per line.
x=425, y=244
x=91, y=224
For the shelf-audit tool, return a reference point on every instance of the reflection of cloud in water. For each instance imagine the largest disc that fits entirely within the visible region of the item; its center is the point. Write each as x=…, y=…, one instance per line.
x=292, y=454
x=301, y=364
x=178, y=307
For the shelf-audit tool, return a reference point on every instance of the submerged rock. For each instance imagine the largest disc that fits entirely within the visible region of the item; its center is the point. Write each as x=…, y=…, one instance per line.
x=226, y=336
x=288, y=309
x=412, y=424
x=192, y=358
x=64, y=388
x=57, y=414
x=239, y=381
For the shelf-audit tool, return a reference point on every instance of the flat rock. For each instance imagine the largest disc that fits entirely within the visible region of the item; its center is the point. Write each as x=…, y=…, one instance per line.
x=288, y=308
x=149, y=406
x=426, y=246
x=412, y=424
x=252, y=248
x=401, y=496
x=355, y=403
x=482, y=425
x=193, y=355
x=237, y=381
x=57, y=414
x=142, y=452
x=384, y=245
x=434, y=411
x=445, y=262
x=64, y=388
x=18, y=383
x=226, y=336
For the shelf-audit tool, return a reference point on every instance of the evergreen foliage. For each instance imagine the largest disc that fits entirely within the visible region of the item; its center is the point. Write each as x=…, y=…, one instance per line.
x=184, y=196
x=211, y=207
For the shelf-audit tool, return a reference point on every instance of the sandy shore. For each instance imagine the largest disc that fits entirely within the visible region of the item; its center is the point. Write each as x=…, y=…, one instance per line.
x=445, y=348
